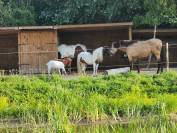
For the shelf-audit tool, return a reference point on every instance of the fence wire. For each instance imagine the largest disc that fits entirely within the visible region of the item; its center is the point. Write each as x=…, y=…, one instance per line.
x=43, y=69
x=45, y=52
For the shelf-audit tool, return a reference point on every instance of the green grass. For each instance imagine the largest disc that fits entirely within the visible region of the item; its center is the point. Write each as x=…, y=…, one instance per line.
x=60, y=102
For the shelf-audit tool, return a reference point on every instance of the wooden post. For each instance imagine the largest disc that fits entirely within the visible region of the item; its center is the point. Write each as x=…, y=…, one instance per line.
x=130, y=33
x=155, y=30
x=167, y=56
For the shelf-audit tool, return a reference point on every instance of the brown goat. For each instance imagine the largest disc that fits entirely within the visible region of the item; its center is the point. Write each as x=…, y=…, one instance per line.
x=67, y=62
x=141, y=50
x=78, y=50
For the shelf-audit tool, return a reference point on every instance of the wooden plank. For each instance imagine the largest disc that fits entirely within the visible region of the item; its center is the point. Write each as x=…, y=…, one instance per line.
x=94, y=25
x=89, y=27
x=174, y=30
x=36, y=49
x=36, y=27
x=49, y=45
x=8, y=28
x=67, y=26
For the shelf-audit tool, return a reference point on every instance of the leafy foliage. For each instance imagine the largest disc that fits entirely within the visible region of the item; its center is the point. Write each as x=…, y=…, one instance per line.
x=13, y=14
x=157, y=12
x=46, y=12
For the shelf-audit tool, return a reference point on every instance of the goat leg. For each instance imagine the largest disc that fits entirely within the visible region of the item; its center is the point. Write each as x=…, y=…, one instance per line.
x=131, y=66
x=149, y=61
x=94, y=69
x=159, y=65
x=97, y=68
x=59, y=72
x=69, y=69
x=138, y=67
x=64, y=71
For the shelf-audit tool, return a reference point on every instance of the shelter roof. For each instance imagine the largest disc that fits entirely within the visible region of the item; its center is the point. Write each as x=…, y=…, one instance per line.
x=77, y=27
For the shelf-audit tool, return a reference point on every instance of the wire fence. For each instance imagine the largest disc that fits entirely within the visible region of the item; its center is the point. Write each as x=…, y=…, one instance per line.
x=27, y=69
x=42, y=70
x=52, y=51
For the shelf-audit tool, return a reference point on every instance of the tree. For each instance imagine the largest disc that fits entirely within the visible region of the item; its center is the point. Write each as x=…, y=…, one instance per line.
x=86, y=11
x=5, y=14
x=23, y=16
x=46, y=12
x=72, y=11
x=157, y=12
x=12, y=14
x=125, y=10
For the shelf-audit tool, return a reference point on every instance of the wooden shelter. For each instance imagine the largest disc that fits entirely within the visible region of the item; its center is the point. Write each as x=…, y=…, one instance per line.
x=29, y=48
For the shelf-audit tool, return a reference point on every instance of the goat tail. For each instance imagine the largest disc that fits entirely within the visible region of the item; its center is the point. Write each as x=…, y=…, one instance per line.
x=79, y=69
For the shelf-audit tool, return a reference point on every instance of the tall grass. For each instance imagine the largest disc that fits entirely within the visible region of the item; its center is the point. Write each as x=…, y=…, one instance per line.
x=59, y=103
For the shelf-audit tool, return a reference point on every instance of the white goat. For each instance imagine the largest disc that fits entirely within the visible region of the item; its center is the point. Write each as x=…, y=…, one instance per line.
x=87, y=58
x=69, y=50
x=53, y=64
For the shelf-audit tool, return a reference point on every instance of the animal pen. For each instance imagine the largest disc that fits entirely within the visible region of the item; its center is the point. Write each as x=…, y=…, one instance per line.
x=27, y=49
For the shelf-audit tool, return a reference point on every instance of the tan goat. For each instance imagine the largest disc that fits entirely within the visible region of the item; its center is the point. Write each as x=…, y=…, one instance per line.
x=142, y=50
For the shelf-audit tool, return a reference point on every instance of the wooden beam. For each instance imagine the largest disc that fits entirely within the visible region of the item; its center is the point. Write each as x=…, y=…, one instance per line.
x=152, y=30
x=8, y=28
x=73, y=27
x=36, y=27
x=84, y=27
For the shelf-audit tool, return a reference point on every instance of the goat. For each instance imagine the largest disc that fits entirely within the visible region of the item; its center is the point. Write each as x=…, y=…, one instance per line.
x=69, y=50
x=95, y=58
x=142, y=49
x=67, y=62
x=53, y=64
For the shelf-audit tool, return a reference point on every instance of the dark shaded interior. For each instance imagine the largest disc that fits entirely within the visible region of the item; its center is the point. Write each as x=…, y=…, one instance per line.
x=9, y=51
x=95, y=39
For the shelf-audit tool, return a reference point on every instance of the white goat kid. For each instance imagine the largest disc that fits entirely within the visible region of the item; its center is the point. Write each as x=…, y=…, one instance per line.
x=58, y=65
